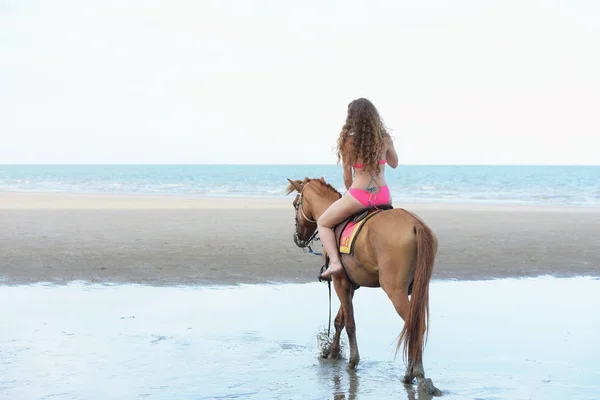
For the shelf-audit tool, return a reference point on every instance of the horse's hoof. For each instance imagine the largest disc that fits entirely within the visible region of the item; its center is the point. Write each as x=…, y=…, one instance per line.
x=418, y=373
x=426, y=387
x=331, y=354
x=325, y=350
x=352, y=365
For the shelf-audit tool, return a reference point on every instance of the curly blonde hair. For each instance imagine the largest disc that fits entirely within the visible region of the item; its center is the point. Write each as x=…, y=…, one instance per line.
x=362, y=136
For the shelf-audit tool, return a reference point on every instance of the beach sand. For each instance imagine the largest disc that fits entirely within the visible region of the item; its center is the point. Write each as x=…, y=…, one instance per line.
x=186, y=240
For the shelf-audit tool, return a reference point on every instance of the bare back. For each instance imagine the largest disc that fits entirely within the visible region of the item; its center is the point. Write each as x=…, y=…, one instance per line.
x=363, y=179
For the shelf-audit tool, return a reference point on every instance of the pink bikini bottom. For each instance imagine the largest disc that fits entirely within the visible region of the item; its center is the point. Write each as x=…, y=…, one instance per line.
x=368, y=198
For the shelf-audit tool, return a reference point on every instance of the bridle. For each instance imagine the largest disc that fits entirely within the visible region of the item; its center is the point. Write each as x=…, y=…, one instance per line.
x=298, y=207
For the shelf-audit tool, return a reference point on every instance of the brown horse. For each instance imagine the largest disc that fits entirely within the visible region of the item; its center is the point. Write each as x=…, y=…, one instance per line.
x=395, y=250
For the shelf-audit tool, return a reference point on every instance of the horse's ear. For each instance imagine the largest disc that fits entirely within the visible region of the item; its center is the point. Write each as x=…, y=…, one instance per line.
x=295, y=184
x=322, y=179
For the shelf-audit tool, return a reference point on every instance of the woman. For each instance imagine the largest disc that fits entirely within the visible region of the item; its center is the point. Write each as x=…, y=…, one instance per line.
x=365, y=147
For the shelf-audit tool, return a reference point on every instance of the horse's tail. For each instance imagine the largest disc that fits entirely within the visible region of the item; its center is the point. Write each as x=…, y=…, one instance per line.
x=415, y=326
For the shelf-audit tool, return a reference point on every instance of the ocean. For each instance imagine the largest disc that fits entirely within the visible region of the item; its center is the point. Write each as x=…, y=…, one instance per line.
x=552, y=185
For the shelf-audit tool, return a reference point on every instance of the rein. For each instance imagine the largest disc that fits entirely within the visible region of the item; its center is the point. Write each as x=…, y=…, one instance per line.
x=300, y=206
x=307, y=243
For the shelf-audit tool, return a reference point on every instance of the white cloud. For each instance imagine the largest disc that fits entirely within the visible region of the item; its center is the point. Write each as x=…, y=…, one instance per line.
x=268, y=82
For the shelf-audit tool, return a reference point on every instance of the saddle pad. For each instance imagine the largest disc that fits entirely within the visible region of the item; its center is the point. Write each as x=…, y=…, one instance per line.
x=351, y=230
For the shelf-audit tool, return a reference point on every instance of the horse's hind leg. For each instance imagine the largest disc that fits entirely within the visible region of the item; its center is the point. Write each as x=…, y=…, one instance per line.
x=396, y=287
x=345, y=294
x=334, y=350
x=401, y=303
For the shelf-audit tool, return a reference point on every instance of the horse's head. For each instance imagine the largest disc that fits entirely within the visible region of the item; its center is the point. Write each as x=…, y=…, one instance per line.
x=306, y=223
x=309, y=195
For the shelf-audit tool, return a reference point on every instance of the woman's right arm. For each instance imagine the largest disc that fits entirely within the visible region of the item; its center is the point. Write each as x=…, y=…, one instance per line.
x=390, y=155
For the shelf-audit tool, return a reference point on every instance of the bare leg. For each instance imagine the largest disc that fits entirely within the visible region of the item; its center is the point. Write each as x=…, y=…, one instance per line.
x=327, y=236
x=337, y=212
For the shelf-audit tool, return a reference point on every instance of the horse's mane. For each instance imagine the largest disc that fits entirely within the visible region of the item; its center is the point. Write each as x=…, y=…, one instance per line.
x=290, y=188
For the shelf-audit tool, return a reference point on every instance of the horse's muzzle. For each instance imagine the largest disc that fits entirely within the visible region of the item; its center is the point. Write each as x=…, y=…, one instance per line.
x=300, y=243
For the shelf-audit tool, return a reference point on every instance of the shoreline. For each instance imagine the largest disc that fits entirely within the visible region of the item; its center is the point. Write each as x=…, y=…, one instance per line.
x=64, y=200
x=222, y=285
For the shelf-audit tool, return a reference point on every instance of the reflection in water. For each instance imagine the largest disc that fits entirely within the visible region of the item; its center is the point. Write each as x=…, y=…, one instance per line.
x=345, y=390
x=417, y=393
x=489, y=339
x=412, y=393
x=344, y=382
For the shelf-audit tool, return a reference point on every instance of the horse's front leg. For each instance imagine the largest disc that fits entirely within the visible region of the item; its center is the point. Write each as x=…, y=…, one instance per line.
x=345, y=293
x=334, y=349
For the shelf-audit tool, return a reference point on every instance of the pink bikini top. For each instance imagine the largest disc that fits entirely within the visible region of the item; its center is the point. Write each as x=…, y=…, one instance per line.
x=358, y=166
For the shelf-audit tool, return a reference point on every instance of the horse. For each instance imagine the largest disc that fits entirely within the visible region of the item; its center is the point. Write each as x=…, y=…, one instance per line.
x=394, y=250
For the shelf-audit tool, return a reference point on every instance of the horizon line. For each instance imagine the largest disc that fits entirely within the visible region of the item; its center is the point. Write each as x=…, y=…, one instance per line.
x=294, y=164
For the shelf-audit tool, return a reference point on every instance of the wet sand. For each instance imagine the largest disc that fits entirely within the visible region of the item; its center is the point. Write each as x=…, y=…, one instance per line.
x=185, y=240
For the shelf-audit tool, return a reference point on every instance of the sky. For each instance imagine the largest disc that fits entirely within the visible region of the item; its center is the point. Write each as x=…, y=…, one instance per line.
x=268, y=82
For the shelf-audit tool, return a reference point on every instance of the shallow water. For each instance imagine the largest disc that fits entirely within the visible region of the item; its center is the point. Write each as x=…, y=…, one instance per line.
x=504, y=339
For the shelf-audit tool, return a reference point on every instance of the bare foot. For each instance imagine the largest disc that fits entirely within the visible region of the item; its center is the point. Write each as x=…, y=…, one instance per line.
x=334, y=268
